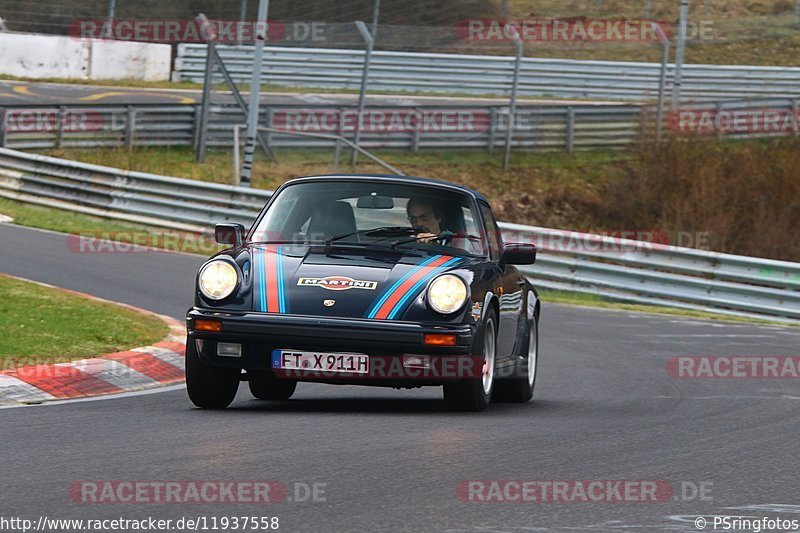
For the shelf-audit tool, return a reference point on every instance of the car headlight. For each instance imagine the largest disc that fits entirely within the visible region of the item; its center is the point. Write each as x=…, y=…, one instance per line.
x=446, y=294
x=218, y=279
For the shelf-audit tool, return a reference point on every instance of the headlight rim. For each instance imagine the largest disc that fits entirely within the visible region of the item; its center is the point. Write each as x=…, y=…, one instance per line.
x=430, y=301
x=235, y=286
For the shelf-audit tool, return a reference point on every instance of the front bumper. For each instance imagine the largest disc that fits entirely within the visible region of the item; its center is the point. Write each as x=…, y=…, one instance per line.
x=260, y=334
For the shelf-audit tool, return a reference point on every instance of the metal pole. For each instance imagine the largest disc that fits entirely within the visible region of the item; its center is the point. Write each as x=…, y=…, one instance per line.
x=3, y=122
x=662, y=83
x=570, y=129
x=242, y=17
x=362, y=28
x=112, y=9
x=202, y=126
x=648, y=8
x=376, y=8
x=678, y=76
x=255, y=93
x=236, y=168
x=797, y=11
x=512, y=108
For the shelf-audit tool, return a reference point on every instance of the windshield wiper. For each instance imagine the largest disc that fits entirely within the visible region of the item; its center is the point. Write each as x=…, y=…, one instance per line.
x=442, y=235
x=369, y=233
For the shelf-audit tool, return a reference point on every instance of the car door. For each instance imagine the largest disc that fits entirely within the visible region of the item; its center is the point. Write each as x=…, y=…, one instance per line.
x=507, y=286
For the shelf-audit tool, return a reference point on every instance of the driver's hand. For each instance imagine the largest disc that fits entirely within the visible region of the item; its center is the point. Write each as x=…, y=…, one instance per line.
x=427, y=238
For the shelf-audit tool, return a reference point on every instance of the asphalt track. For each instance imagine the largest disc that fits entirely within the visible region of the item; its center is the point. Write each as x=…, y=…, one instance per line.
x=605, y=409
x=43, y=93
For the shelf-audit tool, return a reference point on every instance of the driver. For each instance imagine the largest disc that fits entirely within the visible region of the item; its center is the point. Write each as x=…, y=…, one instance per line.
x=425, y=216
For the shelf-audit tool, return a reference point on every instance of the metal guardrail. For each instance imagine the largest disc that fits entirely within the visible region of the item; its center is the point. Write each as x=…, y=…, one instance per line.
x=623, y=269
x=537, y=127
x=578, y=127
x=489, y=75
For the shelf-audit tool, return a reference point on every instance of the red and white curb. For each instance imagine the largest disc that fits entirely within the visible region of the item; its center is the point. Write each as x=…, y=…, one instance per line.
x=132, y=370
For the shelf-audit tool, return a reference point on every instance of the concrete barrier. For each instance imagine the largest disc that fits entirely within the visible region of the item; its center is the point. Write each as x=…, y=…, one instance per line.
x=30, y=55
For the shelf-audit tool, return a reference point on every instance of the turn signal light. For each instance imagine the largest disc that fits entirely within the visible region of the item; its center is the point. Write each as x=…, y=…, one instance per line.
x=207, y=325
x=438, y=339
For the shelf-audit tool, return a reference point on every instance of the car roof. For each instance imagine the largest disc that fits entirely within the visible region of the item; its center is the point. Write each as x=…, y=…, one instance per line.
x=392, y=178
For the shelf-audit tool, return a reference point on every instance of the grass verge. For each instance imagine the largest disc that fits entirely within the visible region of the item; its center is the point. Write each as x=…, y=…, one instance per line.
x=41, y=324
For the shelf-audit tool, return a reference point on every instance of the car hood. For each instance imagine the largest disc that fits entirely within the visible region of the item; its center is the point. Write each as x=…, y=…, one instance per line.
x=342, y=281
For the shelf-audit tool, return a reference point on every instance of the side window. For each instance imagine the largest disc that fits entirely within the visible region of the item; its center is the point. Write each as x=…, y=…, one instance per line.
x=492, y=233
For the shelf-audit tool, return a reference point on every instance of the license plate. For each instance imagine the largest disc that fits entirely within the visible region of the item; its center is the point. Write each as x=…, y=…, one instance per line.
x=347, y=363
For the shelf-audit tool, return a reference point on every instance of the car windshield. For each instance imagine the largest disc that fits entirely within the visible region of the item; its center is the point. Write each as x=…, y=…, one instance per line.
x=374, y=213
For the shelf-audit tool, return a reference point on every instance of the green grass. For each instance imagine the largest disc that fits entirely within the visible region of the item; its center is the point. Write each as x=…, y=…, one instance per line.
x=35, y=216
x=41, y=324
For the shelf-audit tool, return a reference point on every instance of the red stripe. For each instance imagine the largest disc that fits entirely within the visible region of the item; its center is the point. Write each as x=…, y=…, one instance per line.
x=149, y=365
x=271, y=258
x=63, y=381
x=401, y=291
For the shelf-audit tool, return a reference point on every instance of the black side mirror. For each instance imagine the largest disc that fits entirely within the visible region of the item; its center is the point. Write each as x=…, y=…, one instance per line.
x=518, y=254
x=229, y=233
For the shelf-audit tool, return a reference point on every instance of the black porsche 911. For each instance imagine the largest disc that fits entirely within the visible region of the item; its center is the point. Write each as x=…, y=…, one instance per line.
x=365, y=280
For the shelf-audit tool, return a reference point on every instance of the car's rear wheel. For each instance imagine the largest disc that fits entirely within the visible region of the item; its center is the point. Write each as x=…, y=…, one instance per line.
x=208, y=386
x=474, y=394
x=519, y=389
x=265, y=386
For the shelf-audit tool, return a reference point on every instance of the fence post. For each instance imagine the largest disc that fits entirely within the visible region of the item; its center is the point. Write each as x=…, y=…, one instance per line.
x=512, y=109
x=255, y=94
x=202, y=127
x=3, y=122
x=678, y=76
x=662, y=82
x=362, y=28
x=720, y=131
x=795, y=109
x=130, y=127
x=570, y=129
x=337, y=153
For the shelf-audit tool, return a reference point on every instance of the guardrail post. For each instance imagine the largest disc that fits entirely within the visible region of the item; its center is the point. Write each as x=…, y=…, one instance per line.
x=130, y=127
x=415, y=135
x=677, y=77
x=270, y=124
x=3, y=122
x=60, y=124
x=492, y=129
x=570, y=129
x=795, y=105
x=337, y=153
x=196, y=125
x=720, y=131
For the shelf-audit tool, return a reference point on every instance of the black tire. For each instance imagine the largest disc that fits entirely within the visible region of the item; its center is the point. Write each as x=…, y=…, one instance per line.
x=519, y=389
x=208, y=386
x=470, y=394
x=265, y=386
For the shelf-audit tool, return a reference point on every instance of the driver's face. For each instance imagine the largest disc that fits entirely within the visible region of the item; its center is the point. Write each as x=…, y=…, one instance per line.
x=421, y=216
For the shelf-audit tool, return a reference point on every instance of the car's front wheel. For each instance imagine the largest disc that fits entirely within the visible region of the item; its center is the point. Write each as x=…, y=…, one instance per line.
x=208, y=386
x=474, y=394
x=265, y=386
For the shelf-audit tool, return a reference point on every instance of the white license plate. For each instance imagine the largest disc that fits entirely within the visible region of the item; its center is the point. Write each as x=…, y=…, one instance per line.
x=347, y=363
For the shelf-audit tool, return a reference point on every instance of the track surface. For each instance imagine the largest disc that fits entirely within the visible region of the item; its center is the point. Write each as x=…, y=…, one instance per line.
x=604, y=409
x=42, y=93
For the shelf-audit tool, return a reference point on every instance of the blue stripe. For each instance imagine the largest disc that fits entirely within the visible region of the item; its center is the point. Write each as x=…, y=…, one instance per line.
x=412, y=293
x=262, y=285
x=394, y=287
x=281, y=294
